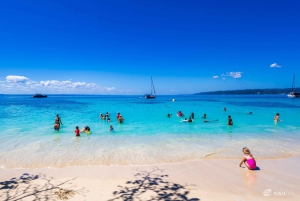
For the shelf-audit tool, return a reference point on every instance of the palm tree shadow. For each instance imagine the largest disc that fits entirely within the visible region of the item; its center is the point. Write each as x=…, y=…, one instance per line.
x=25, y=187
x=152, y=185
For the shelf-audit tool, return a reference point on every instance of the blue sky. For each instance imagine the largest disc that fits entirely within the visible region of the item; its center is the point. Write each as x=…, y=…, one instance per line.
x=113, y=47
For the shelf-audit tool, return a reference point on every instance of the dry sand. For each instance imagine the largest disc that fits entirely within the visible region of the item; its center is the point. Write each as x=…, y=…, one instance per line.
x=203, y=180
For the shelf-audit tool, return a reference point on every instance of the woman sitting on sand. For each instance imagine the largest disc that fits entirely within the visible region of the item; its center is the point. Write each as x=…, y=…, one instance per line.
x=248, y=159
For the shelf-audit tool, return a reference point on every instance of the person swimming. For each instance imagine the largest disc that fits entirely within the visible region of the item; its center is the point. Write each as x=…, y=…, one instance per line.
x=86, y=129
x=179, y=113
x=111, y=128
x=108, y=119
x=169, y=115
x=224, y=109
x=250, y=113
x=248, y=159
x=204, y=116
x=230, y=122
x=190, y=120
x=107, y=114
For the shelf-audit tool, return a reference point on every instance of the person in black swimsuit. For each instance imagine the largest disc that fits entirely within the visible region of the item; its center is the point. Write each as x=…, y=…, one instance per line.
x=57, y=123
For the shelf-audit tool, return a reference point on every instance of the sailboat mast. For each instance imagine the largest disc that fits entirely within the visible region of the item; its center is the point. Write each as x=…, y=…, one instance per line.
x=293, y=85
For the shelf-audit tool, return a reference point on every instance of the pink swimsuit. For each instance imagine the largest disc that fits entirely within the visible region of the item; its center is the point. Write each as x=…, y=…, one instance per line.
x=251, y=162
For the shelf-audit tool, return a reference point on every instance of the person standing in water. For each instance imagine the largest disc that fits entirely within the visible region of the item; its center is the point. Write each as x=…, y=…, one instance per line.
x=230, y=122
x=192, y=116
x=111, y=128
x=276, y=118
x=58, y=120
x=77, y=131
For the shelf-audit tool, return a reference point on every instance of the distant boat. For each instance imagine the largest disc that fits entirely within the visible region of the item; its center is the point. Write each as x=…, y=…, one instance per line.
x=39, y=96
x=294, y=94
x=152, y=94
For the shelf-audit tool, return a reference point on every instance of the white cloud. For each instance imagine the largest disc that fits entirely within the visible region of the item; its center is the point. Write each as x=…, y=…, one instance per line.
x=215, y=77
x=231, y=74
x=16, y=79
x=22, y=84
x=275, y=65
x=235, y=74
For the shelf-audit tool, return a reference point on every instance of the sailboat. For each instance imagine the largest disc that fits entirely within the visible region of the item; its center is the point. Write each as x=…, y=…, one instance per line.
x=293, y=94
x=152, y=95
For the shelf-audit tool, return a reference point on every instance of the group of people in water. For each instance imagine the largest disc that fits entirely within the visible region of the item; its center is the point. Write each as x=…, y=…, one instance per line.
x=229, y=119
x=107, y=117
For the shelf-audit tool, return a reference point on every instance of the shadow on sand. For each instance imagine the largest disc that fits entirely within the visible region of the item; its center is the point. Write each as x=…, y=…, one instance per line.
x=37, y=187
x=152, y=186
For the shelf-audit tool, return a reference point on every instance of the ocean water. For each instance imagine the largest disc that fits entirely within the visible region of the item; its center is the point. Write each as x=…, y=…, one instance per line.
x=28, y=140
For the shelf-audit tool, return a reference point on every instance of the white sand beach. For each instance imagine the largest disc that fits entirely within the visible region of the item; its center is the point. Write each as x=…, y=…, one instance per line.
x=276, y=179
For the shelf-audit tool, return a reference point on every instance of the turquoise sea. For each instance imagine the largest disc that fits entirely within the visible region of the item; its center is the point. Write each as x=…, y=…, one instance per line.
x=147, y=136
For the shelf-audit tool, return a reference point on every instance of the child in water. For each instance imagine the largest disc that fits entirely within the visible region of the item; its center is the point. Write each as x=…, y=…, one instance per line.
x=248, y=159
x=77, y=131
x=111, y=128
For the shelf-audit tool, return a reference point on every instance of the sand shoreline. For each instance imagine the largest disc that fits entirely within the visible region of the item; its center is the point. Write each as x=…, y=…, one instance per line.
x=208, y=179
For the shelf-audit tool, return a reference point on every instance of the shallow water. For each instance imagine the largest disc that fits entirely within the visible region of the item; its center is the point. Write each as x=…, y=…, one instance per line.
x=147, y=136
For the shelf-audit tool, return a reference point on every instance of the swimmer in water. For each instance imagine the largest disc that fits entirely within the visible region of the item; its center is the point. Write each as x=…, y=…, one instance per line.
x=250, y=113
x=190, y=120
x=108, y=119
x=169, y=115
x=179, y=113
x=111, y=128
x=121, y=119
x=85, y=129
x=276, y=118
x=58, y=120
x=77, y=132
x=204, y=116
x=192, y=116
x=224, y=109
x=230, y=122
x=101, y=116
